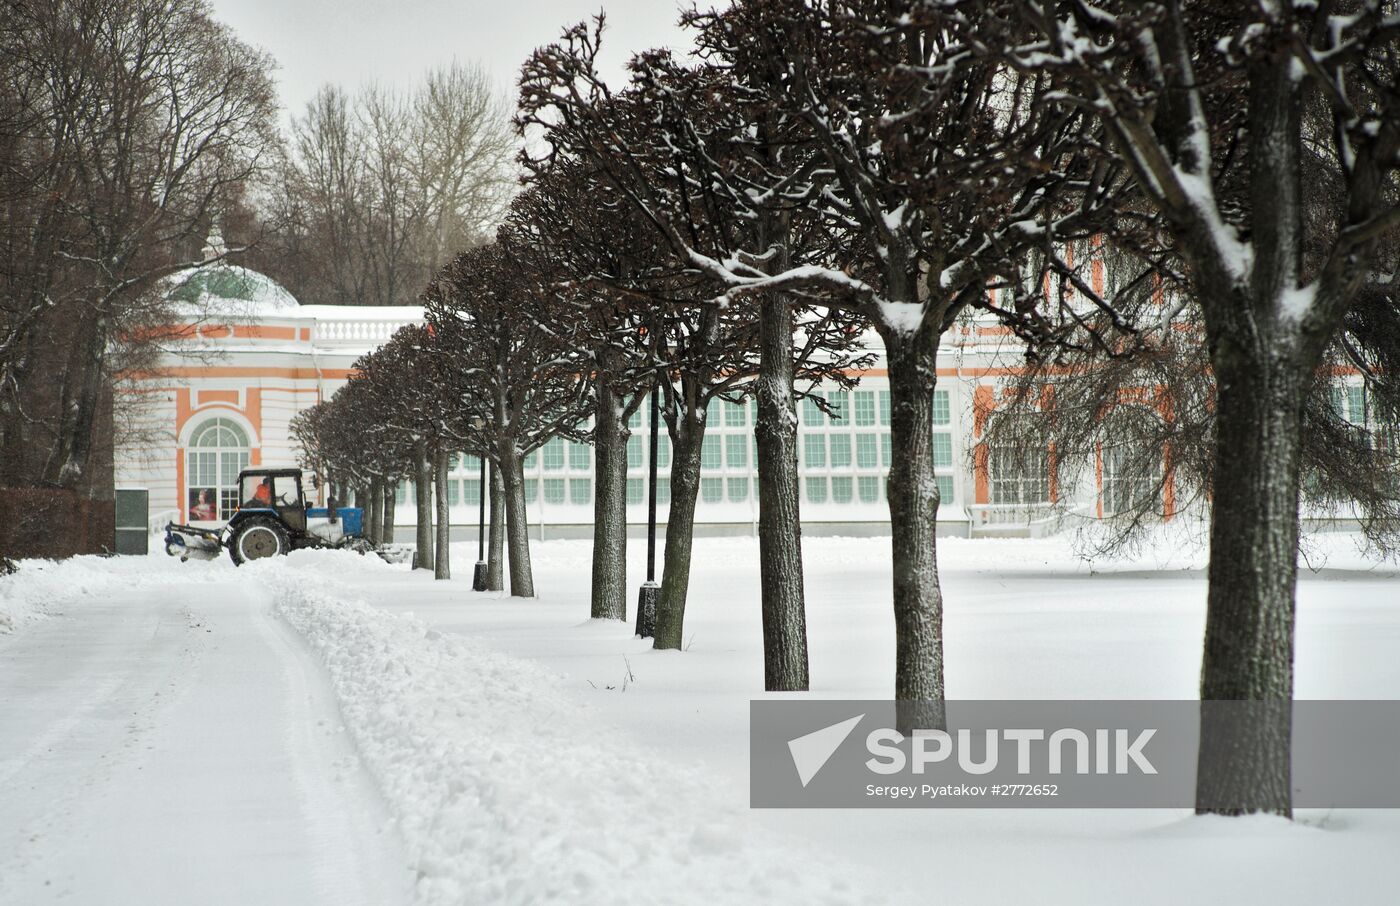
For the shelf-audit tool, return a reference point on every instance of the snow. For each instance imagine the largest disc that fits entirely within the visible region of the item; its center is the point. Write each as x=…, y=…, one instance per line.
x=1296, y=302
x=1236, y=255
x=505, y=750
x=905, y=317
x=165, y=740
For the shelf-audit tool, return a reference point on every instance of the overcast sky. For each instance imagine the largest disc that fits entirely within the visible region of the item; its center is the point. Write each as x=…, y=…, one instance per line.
x=352, y=41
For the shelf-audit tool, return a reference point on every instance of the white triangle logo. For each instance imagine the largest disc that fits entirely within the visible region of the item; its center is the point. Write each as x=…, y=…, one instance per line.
x=810, y=753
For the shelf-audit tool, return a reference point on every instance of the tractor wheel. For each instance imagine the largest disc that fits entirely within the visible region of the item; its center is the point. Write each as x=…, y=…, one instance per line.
x=259, y=538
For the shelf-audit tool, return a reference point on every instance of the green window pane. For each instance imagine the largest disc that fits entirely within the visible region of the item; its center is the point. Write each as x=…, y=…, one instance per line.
x=811, y=412
x=532, y=490
x=945, y=488
x=840, y=451
x=942, y=414
x=709, y=452
x=736, y=415
x=712, y=490
x=869, y=488
x=471, y=491
x=1356, y=405
x=865, y=408
x=580, y=456
x=814, y=450
x=634, y=452
x=738, y=490
x=636, y=491
x=401, y=493
x=816, y=490
x=663, y=451
x=942, y=449
x=454, y=492
x=663, y=491
x=635, y=419
x=840, y=405
x=531, y=460
x=736, y=451
x=712, y=411
x=471, y=465
x=553, y=455
x=885, y=450
x=884, y=407
x=580, y=491
x=452, y=460
x=841, y=489
x=867, y=451
x=554, y=490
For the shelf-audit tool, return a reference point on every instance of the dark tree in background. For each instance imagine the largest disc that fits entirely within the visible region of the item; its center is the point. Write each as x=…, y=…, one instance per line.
x=378, y=189
x=573, y=234
x=500, y=362
x=125, y=125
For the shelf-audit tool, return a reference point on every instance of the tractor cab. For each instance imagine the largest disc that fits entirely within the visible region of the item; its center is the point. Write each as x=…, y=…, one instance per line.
x=278, y=490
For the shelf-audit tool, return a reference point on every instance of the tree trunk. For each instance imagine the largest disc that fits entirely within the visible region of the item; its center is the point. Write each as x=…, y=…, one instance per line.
x=374, y=511
x=779, y=519
x=496, y=539
x=1243, y=761
x=609, y=507
x=386, y=536
x=68, y=461
x=522, y=581
x=913, y=501
x=680, y=531
x=423, y=497
x=442, y=562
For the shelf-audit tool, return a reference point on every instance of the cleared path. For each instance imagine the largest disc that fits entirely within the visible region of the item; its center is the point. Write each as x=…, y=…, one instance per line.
x=178, y=744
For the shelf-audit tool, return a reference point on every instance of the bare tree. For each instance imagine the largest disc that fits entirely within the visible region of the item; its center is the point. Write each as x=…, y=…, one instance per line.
x=136, y=118
x=1205, y=104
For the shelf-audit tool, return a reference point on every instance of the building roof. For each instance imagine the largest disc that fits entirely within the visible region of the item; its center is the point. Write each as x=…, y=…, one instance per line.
x=219, y=288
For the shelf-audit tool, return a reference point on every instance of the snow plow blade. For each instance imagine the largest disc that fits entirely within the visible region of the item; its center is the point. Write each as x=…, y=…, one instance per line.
x=189, y=542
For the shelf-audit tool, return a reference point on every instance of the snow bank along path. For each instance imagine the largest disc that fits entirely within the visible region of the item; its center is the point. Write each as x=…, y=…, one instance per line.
x=164, y=739
x=506, y=787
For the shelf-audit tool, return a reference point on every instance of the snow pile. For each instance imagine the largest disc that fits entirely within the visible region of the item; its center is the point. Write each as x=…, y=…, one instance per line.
x=36, y=587
x=507, y=790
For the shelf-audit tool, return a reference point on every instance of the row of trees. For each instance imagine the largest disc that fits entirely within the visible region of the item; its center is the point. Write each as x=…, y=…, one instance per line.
x=731, y=225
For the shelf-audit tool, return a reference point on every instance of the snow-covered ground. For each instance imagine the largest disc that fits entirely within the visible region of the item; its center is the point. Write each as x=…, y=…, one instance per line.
x=329, y=728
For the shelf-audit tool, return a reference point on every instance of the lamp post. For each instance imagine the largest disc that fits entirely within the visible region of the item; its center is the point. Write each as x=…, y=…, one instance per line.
x=646, y=597
x=479, y=575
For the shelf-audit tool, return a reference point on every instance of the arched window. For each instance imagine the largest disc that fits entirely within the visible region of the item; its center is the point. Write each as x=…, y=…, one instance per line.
x=218, y=452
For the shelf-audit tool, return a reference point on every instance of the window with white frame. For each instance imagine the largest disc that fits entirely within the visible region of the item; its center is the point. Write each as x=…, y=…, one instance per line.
x=1131, y=477
x=1019, y=475
x=1130, y=472
x=218, y=451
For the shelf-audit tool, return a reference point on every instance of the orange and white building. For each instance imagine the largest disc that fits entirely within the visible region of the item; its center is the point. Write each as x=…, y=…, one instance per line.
x=224, y=397
x=252, y=358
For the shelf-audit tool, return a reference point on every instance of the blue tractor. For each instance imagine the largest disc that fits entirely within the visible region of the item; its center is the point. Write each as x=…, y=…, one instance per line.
x=272, y=519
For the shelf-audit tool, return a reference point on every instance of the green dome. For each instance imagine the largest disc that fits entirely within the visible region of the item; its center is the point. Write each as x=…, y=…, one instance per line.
x=221, y=284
